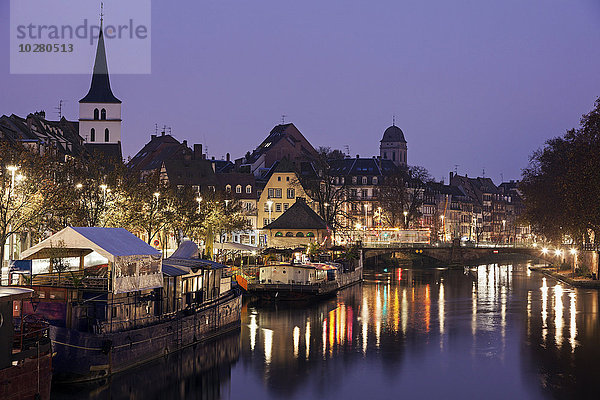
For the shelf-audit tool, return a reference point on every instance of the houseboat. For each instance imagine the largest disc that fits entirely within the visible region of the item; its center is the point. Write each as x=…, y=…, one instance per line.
x=304, y=280
x=112, y=303
x=25, y=351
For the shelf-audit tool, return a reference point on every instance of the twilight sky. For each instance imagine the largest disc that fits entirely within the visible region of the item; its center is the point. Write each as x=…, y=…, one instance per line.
x=478, y=83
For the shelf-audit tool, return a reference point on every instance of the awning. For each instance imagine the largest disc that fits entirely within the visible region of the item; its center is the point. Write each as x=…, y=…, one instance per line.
x=234, y=246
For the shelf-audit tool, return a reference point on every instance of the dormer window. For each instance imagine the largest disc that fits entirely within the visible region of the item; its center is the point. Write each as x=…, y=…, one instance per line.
x=238, y=189
x=96, y=114
x=103, y=114
x=228, y=189
x=364, y=180
x=248, y=189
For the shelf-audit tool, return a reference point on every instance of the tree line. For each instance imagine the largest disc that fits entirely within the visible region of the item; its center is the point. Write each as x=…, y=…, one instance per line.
x=40, y=194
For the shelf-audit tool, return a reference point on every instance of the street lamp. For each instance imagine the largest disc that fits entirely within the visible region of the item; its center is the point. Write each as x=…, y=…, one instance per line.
x=573, y=252
x=199, y=200
x=12, y=169
x=270, y=205
x=442, y=217
x=379, y=212
x=79, y=186
x=405, y=221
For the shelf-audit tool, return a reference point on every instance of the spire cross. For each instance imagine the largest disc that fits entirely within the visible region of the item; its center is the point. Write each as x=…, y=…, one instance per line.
x=394, y=120
x=101, y=12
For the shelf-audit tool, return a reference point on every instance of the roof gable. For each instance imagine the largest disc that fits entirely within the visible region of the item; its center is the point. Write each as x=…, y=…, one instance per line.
x=298, y=216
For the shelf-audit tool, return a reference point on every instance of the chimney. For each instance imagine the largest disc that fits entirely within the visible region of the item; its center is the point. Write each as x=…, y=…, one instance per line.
x=358, y=156
x=228, y=157
x=204, y=156
x=152, y=137
x=185, y=143
x=451, y=176
x=198, y=151
x=213, y=158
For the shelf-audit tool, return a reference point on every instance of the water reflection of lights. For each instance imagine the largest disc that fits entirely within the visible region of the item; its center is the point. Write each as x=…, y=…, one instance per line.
x=296, y=340
x=404, y=311
x=503, y=312
x=558, y=315
x=474, y=310
x=307, y=338
x=365, y=323
x=544, y=290
x=324, y=338
x=441, y=313
x=253, y=331
x=268, y=334
x=427, y=308
x=573, y=322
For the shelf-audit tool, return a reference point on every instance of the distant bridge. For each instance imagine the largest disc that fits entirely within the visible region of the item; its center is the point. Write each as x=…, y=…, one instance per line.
x=451, y=253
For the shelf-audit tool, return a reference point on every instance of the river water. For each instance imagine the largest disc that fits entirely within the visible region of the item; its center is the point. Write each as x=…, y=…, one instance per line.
x=493, y=332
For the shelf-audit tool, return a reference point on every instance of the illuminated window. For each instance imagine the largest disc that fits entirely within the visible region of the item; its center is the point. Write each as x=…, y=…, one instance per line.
x=238, y=189
x=228, y=188
x=279, y=234
x=248, y=189
x=310, y=234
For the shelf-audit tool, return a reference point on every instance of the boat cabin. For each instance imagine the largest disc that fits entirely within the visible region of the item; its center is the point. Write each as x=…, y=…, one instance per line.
x=297, y=274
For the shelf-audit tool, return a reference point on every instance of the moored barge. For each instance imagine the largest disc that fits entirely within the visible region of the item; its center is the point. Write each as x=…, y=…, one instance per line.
x=113, y=303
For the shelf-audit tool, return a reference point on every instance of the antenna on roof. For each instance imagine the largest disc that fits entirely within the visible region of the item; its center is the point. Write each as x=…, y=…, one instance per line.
x=483, y=172
x=164, y=130
x=169, y=130
x=59, y=109
x=283, y=116
x=456, y=169
x=156, y=129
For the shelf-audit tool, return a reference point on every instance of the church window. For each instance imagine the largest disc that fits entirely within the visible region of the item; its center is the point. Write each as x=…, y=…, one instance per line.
x=93, y=135
x=96, y=114
x=106, y=135
x=103, y=114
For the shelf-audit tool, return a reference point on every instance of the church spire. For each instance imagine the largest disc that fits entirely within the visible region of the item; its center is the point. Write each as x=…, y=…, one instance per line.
x=100, y=91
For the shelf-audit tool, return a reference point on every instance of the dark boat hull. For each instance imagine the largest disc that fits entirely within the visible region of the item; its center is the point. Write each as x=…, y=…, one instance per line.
x=82, y=357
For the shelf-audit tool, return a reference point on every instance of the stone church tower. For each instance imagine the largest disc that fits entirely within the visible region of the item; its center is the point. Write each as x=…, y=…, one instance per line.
x=100, y=110
x=393, y=146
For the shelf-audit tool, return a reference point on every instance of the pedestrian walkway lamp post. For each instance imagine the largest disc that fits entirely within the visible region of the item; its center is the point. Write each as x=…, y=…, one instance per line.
x=405, y=219
x=573, y=252
x=443, y=229
x=12, y=169
x=270, y=205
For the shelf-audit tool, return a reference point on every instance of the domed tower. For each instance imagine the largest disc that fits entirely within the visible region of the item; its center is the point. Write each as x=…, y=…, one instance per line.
x=393, y=146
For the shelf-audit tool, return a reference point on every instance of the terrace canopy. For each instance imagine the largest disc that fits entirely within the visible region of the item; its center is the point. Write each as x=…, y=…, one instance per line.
x=134, y=264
